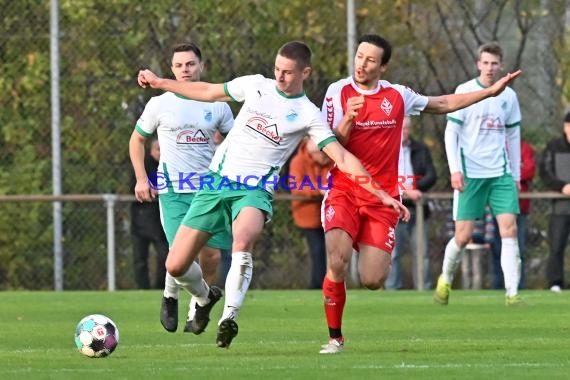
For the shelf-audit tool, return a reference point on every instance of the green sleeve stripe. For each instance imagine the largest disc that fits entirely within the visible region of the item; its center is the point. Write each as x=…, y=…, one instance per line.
x=227, y=92
x=462, y=158
x=326, y=141
x=456, y=121
x=143, y=133
x=517, y=124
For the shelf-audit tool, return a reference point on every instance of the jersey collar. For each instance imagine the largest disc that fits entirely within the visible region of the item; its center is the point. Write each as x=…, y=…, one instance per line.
x=480, y=84
x=364, y=92
x=300, y=95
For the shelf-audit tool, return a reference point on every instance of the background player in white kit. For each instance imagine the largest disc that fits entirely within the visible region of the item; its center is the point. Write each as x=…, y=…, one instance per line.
x=482, y=143
x=275, y=116
x=185, y=131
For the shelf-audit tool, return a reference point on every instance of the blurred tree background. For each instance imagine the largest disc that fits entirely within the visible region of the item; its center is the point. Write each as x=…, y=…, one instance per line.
x=103, y=43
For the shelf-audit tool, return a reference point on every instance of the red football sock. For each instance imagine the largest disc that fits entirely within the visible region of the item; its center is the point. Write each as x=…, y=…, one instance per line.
x=335, y=298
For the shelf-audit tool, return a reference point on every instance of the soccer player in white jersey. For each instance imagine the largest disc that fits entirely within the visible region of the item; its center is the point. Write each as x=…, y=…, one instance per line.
x=482, y=143
x=275, y=116
x=185, y=131
x=365, y=111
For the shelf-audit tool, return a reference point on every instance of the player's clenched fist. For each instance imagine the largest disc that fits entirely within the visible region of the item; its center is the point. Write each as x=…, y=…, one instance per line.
x=147, y=78
x=353, y=104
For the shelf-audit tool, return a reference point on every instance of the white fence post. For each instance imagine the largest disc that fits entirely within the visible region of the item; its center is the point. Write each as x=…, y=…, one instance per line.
x=110, y=200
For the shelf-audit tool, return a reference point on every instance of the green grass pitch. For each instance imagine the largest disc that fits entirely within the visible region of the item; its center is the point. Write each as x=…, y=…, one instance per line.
x=389, y=335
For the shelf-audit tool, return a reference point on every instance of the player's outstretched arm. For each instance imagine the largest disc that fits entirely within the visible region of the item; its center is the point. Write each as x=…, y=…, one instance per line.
x=350, y=165
x=202, y=91
x=453, y=102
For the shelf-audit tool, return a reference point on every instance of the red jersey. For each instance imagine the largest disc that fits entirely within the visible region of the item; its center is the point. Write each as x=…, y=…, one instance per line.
x=376, y=136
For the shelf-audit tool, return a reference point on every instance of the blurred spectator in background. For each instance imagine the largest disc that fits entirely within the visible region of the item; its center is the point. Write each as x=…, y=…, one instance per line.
x=528, y=170
x=418, y=170
x=146, y=228
x=310, y=165
x=555, y=172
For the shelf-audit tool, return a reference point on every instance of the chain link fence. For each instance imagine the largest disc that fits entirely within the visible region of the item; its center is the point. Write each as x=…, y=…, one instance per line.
x=102, y=46
x=280, y=256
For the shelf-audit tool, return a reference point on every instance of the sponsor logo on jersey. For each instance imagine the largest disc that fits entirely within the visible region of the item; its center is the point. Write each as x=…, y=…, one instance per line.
x=491, y=123
x=208, y=115
x=386, y=106
x=375, y=124
x=260, y=113
x=192, y=137
x=260, y=126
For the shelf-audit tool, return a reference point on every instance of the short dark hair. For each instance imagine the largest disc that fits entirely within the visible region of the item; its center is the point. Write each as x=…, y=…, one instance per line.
x=297, y=51
x=491, y=48
x=188, y=46
x=567, y=118
x=380, y=42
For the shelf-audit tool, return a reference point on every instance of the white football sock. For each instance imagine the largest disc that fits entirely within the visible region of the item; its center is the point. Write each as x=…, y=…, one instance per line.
x=193, y=282
x=237, y=283
x=171, y=288
x=451, y=260
x=511, y=265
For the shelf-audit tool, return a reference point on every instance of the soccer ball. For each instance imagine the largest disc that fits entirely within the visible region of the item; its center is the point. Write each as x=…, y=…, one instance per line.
x=96, y=336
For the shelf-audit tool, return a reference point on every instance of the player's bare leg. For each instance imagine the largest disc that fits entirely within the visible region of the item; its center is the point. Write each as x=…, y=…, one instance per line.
x=373, y=266
x=181, y=264
x=178, y=259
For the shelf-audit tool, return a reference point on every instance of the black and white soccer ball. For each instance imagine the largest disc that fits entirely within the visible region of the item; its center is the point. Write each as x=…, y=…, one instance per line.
x=96, y=336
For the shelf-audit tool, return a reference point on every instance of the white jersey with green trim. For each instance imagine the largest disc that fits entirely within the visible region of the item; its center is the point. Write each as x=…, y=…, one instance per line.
x=185, y=131
x=267, y=130
x=484, y=131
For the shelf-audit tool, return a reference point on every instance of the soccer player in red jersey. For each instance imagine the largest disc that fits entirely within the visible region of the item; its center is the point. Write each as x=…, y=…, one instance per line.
x=366, y=115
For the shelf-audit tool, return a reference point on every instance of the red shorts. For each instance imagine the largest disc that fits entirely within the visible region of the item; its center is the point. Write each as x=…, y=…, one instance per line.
x=367, y=222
